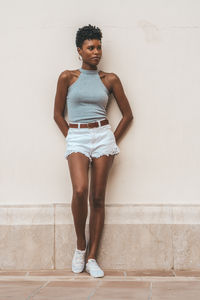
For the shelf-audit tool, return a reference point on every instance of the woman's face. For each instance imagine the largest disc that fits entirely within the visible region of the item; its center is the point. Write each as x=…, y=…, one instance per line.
x=91, y=51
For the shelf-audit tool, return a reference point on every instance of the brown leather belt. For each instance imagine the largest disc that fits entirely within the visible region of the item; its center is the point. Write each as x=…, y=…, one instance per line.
x=89, y=125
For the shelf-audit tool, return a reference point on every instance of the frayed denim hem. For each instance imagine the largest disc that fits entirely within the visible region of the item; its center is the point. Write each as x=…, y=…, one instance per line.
x=114, y=151
x=72, y=151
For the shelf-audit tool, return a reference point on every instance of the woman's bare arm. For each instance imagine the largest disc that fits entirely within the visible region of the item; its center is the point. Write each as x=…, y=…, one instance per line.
x=60, y=101
x=123, y=103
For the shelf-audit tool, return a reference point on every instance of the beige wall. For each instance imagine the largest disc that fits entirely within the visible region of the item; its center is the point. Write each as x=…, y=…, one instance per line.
x=153, y=46
x=153, y=197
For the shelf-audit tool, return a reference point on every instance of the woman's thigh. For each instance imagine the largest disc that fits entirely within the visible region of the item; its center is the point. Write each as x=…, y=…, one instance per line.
x=100, y=168
x=78, y=167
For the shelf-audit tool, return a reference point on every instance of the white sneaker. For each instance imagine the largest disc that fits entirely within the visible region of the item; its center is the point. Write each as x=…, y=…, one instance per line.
x=93, y=268
x=78, y=261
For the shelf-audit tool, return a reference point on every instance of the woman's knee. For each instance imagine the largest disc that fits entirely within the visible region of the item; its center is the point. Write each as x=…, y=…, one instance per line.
x=98, y=201
x=80, y=192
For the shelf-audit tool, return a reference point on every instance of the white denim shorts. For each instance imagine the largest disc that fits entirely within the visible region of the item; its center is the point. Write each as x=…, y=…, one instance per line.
x=92, y=142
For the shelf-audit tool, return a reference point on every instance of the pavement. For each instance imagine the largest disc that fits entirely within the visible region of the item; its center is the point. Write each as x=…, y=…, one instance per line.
x=116, y=284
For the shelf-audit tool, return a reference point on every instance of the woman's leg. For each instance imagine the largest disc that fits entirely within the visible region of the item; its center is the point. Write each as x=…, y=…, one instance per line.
x=78, y=167
x=99, y=174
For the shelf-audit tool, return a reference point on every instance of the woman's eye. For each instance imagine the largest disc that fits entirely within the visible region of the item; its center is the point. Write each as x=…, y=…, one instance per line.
x=91, y=48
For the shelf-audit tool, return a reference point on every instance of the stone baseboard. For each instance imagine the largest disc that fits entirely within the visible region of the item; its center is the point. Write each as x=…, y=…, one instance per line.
x=134, y=237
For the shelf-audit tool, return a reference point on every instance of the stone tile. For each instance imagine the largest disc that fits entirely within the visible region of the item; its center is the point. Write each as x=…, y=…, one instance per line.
x=125, y=284
x=92, y=283
x=20, y=215
x=119, y=290
x=176, y=290
x=186, y=245
x=144, y=246
x=18, y=290
x=67, y=289
x=36, y=249
x=51, y=273
x=113, y=272
x=23, y=283
x=66, y=296
x=137, y=214
x=69, y=295
x=13, y=273
x=150, y=273
x=186, y=273
x=186, y=215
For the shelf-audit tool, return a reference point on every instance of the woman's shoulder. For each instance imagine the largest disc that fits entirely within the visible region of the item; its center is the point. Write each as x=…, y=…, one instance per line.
x=67, y=76
x=68, y=73
x=111, y=77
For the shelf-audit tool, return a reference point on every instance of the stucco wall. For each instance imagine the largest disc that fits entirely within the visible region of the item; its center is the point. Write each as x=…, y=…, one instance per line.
x=153, y=195
x=153, y=46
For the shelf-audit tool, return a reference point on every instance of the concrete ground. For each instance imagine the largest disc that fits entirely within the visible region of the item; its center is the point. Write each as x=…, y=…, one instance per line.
x=118, y=285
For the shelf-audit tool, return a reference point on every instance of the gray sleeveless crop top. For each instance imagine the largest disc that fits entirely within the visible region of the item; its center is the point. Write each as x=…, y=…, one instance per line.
x=87, y=98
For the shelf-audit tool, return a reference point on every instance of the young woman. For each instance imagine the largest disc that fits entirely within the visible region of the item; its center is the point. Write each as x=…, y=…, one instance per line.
x=90, y=141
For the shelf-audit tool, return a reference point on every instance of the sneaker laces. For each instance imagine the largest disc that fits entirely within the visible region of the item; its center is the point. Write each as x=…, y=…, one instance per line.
x=79, y=256
x=94, y=264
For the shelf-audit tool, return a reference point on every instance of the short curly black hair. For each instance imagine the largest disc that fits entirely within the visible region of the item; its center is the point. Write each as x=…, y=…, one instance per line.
x=87, y=33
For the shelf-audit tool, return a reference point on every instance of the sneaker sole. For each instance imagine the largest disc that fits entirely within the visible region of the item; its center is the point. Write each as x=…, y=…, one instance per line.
x=87, y=270
x=77, y=271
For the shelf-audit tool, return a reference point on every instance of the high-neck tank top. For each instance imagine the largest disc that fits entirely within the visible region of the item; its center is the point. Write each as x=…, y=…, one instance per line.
x=87, y=98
